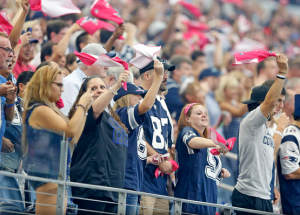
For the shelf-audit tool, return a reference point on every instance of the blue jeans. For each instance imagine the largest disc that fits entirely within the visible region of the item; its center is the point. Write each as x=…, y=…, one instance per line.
x=132, y=200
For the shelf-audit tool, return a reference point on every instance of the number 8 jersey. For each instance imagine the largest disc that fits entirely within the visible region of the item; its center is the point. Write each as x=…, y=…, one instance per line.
x=158, y=130
x=198, y=174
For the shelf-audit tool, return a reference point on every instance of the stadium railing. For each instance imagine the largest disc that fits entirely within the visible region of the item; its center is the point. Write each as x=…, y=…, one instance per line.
x=60, y=178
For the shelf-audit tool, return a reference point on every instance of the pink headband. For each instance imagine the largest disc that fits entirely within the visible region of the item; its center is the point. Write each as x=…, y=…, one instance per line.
x=187, y=108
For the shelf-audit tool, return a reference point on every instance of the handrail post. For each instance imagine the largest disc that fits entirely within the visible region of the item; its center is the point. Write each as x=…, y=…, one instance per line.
x=61, y=188
x=122, y=203
x=227, y=211
x=177, y=207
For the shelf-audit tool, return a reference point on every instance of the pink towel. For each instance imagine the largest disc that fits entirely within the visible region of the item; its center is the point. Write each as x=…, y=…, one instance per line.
x=175, y=166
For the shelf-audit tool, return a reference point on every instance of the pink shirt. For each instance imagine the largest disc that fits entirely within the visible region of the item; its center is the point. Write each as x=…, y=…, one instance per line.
x=19, y=68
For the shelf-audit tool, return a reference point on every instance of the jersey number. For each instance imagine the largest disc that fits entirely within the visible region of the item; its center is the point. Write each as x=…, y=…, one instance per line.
x=119, y=134
x=141, y=144
x=212, y=170
x=158, y=141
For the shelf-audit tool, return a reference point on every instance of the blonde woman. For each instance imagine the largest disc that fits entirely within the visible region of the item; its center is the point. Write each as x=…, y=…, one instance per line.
x=42, y=149
x=132, y=114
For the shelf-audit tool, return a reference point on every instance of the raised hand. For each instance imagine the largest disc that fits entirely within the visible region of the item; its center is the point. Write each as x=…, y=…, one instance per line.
x=282, y=62
x=25, y=5
x=119, y=31
x=87, y=99
x=158, y=68
x=25, y=38
x=122, y=78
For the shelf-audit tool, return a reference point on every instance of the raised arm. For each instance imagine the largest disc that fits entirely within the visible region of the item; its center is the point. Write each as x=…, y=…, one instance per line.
x=45, y=117
x=149, y=99
x=117, y=33
x=275, y=91
x=62, y=46
x=17, y=29
x=104, y=99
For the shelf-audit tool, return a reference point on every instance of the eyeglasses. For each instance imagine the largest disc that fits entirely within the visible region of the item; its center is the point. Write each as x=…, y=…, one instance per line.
x=60, y=85
x=8, y=50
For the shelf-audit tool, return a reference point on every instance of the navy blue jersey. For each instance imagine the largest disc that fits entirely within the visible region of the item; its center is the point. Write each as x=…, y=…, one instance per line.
x=289, y=162
x=198, y=174
x=137, y=149
x=158, y=130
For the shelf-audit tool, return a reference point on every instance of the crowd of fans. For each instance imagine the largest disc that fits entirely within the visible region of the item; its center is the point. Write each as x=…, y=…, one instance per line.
x=117, y=136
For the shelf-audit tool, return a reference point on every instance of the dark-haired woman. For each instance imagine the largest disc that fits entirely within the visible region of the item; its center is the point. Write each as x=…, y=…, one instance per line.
x=100, y=155
x=199, y=170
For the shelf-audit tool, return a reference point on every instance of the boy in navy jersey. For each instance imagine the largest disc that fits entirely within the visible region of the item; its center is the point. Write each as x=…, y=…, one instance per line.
x=288, y=165
x=159, y=137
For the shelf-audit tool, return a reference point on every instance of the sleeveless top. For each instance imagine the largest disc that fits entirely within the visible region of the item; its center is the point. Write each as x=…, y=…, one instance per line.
x=43, y=155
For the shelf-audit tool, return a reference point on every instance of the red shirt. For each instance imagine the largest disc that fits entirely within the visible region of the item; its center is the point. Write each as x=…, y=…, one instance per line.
x=19, y=68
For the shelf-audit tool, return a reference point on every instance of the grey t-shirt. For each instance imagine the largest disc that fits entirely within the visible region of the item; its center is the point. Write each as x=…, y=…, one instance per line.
x=256, y=156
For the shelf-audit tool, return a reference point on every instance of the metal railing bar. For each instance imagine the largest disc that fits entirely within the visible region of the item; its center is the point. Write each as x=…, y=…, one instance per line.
x=93, y=200
x=93, y=211
x=226, y=187
x=15, y=212
x=32, y=178
x=12, y=200
x=96, y=187
x=28, y=191
x=231, y=155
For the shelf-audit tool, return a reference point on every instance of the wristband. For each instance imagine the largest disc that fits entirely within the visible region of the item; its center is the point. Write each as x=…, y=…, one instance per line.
x=79, y=105
x=278, y=132
x=10, y=105
x=112, y=91
x=280, y=77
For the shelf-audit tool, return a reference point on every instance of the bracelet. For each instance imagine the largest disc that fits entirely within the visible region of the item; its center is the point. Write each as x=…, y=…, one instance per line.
x=282, y=73
x=278, y=132
x=112, y=91
x=10, y=105
x=280, y=77
x=80, y=105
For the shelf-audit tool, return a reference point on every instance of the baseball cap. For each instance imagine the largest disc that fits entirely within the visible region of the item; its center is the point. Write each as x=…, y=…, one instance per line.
x=257, y=94
x=131, y=89
x=297, y=105
x=212, y=71
x=96, y=50
x=150, y=66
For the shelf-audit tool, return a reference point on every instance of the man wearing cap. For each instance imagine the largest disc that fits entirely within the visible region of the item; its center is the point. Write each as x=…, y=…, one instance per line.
x=159, y=137
x=288, y=165
x=212, y=77
x=25, y=56
x=256, y=146
x=72, y=82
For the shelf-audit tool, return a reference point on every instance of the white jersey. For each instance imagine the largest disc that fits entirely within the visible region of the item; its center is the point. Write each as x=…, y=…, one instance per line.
x=288, y=152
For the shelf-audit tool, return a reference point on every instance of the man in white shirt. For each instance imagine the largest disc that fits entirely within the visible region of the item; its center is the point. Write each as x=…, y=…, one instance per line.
x=72, y=82
x=256, y=146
